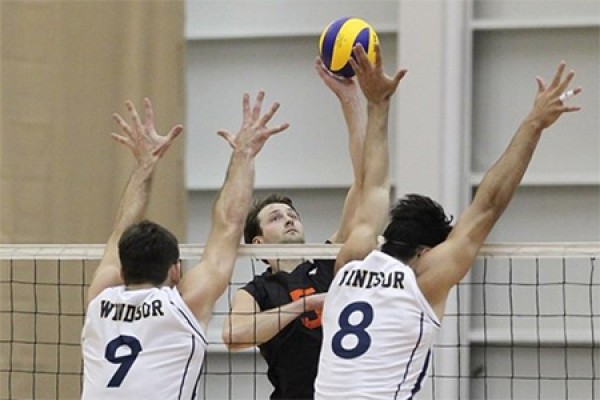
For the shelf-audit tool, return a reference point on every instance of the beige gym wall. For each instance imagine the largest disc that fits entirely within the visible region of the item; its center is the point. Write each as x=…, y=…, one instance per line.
x=66, y=67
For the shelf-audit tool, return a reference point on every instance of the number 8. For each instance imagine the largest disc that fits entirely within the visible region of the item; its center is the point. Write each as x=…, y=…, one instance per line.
x=126, y=361
x=358, y=330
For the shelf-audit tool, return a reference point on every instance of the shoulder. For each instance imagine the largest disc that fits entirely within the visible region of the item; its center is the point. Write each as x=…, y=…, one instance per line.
x=324, y=263
x=374, y=257
x=309, y=265
x=107, y=294
x=258, y=286
x=325, y=270
x=258, y=280
x=172, y=293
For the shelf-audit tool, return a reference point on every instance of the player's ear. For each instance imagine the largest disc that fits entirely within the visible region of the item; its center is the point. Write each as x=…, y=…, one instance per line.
x=380, y=241
x=179, y=268
x=175, y=272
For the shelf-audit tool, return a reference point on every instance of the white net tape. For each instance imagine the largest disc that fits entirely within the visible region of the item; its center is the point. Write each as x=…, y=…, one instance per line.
x=189, y=251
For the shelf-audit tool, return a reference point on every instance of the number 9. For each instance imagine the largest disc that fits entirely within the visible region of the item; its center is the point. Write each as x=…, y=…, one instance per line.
x=126, y=361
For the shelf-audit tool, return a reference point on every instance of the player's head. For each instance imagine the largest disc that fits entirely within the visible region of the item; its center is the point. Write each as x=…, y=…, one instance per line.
x=415, y=222
x=147, y=252
x=273, y=219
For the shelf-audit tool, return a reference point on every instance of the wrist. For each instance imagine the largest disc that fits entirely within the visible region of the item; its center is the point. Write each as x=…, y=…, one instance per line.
x=242, y=154
x=144, y=170
x=378, y=107
x=534, y=123
x=381, y=102
x=349, y=98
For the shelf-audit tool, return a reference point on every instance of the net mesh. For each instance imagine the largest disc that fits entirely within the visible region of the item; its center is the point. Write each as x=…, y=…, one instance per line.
x=525, y=323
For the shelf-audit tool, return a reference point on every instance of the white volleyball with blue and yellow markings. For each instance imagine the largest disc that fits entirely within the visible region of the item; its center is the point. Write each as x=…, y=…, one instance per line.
x=339, y=38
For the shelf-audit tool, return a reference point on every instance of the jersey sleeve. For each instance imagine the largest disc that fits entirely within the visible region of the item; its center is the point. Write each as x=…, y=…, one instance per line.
x=256, y=290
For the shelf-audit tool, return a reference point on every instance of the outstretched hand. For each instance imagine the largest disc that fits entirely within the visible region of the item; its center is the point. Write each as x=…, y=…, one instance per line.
x=141, y=137
x=550, y=99
x=254, y=132
x=373, y=81
x=344, y=88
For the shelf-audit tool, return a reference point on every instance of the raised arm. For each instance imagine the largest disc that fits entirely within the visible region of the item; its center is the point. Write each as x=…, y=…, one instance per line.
x=373, y=203
x=346, y=90
x=148, y=147
x=451, y=260
x=206, y=282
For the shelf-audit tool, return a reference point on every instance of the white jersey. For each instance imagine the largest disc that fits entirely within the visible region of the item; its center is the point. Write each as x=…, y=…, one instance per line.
x=141, y=344
x=378, y=330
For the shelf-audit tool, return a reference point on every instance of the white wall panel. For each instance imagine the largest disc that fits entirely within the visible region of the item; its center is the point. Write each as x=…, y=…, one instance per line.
x=505, y=67
x=312, y=153
x=258, y=18
x=530, y=10
x=550, y=214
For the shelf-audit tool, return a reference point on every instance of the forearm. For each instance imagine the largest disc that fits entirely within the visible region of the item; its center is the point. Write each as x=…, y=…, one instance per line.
x=132, y=208
x=135, y=198
x=242, y=331
x=228, y=216
x=502, y=179
x=233, y=201
x=355, y=117
x=371, y=211
x=376, y=151
x=356, y=120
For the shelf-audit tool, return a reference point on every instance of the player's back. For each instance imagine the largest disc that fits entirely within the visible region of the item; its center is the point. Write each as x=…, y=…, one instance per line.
x=377, y=332
x=141, y=344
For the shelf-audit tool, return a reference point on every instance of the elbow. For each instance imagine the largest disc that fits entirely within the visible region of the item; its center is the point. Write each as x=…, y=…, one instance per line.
x=227, y=337
x=234, y=347
x=233, y=340
x=495, y=209
x=491, y=205
x=230, y=345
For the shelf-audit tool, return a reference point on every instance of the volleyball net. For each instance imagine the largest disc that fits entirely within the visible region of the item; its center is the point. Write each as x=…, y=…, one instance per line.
x=524, y=324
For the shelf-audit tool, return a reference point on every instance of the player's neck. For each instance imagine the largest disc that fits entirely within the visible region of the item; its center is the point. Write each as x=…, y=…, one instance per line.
x=415, y=264
x=284, y=265
x=138, y=286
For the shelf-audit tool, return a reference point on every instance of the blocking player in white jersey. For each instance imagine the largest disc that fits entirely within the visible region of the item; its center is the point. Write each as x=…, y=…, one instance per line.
x=384, y=306
x=144, y=331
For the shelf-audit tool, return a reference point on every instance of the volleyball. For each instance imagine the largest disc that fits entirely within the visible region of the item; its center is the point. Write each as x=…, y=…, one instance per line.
x=338, y=39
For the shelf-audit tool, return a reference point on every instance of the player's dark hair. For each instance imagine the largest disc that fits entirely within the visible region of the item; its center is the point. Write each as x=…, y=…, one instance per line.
x=252, y=227
x=147, y=251
x=416, y=221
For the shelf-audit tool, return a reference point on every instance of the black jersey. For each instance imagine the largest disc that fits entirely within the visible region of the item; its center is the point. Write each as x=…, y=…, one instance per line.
x=292, y=355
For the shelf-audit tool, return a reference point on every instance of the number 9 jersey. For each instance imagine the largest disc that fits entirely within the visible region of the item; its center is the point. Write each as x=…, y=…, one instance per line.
x=378, y=330
x=141, y=344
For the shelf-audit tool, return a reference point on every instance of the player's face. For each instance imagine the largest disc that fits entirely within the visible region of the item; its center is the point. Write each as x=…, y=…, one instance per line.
x=280, y=224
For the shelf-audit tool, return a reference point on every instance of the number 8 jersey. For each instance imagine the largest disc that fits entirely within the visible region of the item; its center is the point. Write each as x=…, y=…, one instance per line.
x=378, y=330
x=141, y=344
